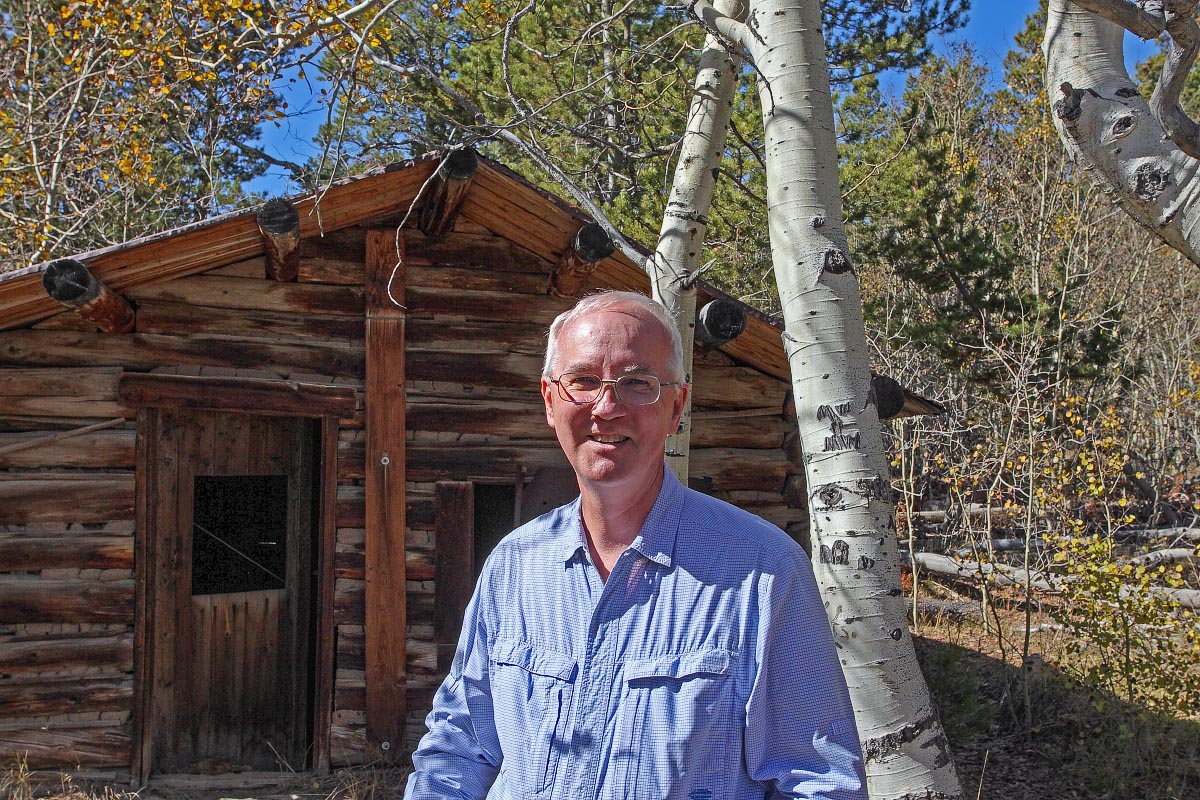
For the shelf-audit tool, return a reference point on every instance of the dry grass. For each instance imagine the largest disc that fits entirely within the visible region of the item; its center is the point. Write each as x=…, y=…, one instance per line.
x=1026, y=728
x=359, y=783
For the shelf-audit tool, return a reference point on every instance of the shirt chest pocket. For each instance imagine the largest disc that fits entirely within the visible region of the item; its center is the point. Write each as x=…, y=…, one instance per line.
x=680, y=726
x=532, y=690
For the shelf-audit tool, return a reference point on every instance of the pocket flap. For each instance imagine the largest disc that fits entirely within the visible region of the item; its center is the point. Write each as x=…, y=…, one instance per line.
x=534, y=660
x=684, y=665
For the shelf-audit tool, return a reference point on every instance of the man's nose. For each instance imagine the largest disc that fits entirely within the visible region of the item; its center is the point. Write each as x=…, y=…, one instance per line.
x=607, y=404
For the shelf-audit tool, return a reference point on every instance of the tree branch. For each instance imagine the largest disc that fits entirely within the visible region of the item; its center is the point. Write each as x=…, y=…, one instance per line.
x=1128, y=15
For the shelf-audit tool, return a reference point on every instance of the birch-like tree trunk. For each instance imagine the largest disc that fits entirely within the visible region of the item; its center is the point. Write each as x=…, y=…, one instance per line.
x=856, y=557
x=676, y=260
x=1132, y=147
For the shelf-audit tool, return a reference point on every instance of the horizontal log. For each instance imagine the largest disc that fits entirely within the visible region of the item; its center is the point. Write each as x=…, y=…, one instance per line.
x=1175, y=535
x=1004, y=575
x=248, y=268
x=79, y=499
x=505, y=370
x=483, y=306
x=1000, y=574
x=478, y=279
x=147, y=351
x=32, y=554
x=26, y=600
x=76, y=407
x=765, y=432
x=108, y=449
x=99, y=383
x=108, y=653
x=259, y=294
x=424, y=657
x=1173, y=555
x=347, y=746
x=418, y=565
x=732, y=469
x=453, y=461
x=351, y=507
x=475, y=337
x=715, y=386
x=348, y=244
x=54, y=696
x=67, y=746
x=283, y=398
x=526, y=420
x=509, y=418
x=337, y=271
x=349, y=607
x=466, y=250
x=181, y=319
x=727, y=468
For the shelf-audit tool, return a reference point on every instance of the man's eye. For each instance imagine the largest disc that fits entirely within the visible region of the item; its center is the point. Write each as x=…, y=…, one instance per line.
x=583, y=383
x=637, y=384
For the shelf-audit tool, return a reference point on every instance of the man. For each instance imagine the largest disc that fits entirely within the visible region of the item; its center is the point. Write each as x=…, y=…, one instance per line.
x=644, y=641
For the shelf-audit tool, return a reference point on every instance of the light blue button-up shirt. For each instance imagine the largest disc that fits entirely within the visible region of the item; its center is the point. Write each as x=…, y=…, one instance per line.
x=702, y=669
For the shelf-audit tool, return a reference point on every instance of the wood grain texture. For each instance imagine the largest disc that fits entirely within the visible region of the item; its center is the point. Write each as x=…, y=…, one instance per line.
x=385, y=611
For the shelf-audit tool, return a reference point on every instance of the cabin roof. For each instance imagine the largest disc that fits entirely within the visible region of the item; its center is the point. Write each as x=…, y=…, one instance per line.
x=498, y=199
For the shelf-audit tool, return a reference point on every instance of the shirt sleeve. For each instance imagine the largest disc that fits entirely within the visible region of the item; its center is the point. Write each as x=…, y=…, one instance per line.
x=459, y=757
x=800, y=739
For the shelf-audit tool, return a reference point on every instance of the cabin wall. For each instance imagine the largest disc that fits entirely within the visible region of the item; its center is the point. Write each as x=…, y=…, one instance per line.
x=477, y=311
x=67, y=515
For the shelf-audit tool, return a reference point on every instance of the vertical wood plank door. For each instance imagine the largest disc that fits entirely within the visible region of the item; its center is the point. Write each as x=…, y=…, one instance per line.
x=233, y=606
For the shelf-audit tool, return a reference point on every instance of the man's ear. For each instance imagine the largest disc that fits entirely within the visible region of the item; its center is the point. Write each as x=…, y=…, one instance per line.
x=548, y=398
x=680, y=401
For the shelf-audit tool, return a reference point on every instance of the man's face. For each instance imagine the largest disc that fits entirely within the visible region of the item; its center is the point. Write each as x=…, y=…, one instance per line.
x=609, y=443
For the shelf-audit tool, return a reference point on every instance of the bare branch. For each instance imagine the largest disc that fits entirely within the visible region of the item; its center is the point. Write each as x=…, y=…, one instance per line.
x=1130, y=16
x=1164, y=103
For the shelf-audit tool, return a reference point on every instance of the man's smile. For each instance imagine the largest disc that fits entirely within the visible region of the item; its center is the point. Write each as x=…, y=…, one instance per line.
x=607, y=438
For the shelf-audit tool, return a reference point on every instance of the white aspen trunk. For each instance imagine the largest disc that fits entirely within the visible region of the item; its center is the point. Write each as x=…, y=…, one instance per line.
x=855, y=554
x=1109, y=129
x=676, y=259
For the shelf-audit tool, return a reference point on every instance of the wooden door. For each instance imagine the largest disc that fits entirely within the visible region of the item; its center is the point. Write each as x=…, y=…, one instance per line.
x=232, y=592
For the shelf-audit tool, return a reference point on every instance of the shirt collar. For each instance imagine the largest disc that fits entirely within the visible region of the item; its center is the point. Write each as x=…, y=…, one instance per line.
x=570, y=539
x=655, y=541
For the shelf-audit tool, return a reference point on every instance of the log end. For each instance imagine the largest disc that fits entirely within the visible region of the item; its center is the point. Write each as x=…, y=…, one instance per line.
x=720, y=321
x=278, y=216
x=70, y=282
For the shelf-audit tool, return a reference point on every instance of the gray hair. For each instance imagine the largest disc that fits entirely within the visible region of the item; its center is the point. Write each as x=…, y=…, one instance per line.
x=603, y=301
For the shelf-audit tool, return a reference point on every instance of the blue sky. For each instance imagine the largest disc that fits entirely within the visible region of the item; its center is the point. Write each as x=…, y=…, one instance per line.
x=991, y=26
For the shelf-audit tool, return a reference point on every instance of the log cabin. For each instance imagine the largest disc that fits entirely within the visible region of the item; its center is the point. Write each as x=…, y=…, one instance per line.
x=248, y=467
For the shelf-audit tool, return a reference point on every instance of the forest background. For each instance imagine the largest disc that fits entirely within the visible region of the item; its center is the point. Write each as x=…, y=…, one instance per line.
x=1063, y=339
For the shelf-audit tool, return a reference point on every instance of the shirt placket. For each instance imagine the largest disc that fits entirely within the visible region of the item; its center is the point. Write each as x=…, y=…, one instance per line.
x=596, y=680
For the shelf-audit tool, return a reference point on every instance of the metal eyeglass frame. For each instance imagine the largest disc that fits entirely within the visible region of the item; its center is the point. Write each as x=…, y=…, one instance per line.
x=615, y=383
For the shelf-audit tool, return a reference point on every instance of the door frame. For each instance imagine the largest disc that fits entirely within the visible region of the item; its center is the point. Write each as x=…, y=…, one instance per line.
x=148, y=394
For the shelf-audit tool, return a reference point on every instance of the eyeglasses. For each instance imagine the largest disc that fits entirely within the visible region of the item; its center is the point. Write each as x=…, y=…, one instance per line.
x=583, y=389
